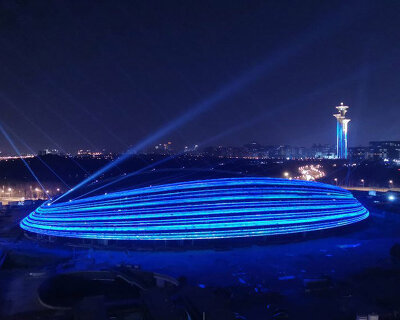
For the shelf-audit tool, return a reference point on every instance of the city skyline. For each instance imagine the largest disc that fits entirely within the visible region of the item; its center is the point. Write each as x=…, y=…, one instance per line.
x=169, y=147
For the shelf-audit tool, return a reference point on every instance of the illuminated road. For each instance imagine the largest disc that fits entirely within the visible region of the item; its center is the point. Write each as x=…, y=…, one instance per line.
x=6, y=199
x=370, y=189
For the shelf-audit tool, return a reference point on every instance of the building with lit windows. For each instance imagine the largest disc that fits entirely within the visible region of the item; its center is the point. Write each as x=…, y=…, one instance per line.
x=385, y=150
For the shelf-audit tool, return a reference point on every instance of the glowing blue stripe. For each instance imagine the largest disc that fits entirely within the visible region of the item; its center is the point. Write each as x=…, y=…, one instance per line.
x=186, y=194
x=224, y=182
x=33, y=222
x=214, y=225
x=202, y=235
x=174, y=221
x=178, y=213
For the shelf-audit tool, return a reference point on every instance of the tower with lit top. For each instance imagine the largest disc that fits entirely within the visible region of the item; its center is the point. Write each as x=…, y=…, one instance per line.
x=341, y=131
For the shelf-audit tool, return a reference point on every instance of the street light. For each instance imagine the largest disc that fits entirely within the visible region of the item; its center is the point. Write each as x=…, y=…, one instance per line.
x=390, y=183
x=363, y=182
x=335, y=180
x=286, y=174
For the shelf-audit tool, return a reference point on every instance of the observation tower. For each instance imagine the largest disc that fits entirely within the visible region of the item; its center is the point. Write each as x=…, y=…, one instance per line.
x=341, y=131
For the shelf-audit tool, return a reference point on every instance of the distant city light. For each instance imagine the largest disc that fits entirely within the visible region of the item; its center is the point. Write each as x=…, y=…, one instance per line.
x=27, y=156
x=310, y=172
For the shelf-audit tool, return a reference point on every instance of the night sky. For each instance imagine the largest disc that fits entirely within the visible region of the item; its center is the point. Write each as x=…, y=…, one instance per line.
x=111, y=74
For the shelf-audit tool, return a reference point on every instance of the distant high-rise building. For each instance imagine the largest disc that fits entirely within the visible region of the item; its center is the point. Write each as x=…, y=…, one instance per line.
x=359, y=154
x=341, y=131
x=163, y=148
x=323, y=151
x=385, y=150
x=48, y=151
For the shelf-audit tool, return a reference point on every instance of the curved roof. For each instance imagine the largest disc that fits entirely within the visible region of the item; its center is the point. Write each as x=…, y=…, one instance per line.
x=201, y=209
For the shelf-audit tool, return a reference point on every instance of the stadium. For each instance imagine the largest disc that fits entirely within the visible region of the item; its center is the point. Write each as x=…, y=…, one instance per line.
x=218, y=208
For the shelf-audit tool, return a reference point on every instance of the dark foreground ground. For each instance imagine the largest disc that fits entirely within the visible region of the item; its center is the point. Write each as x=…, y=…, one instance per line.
x=356, y=273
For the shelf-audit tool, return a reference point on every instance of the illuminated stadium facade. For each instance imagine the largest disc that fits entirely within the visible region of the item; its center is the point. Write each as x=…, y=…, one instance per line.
x=201, y=209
